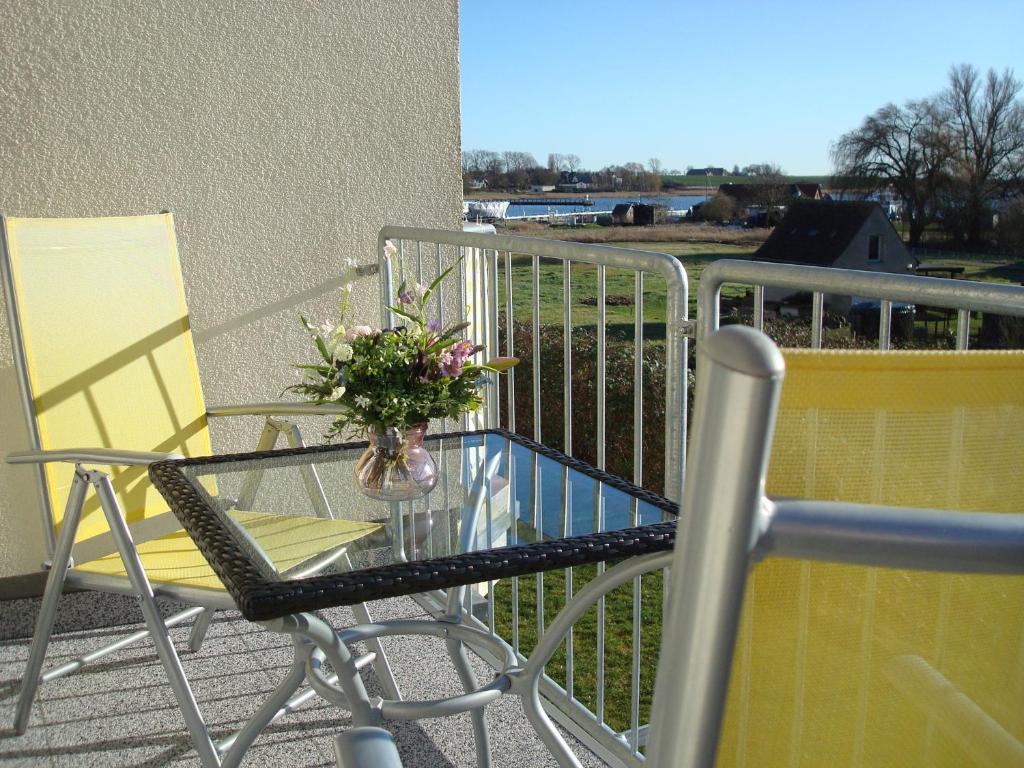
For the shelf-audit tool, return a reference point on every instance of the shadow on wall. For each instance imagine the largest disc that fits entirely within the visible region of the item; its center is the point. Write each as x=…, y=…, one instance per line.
x=288, y=302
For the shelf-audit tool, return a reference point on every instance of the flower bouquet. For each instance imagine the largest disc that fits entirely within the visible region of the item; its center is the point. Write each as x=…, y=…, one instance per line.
x=391, y=382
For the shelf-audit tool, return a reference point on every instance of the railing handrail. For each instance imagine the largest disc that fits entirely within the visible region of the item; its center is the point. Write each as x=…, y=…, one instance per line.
x=933, y=291
x=666, y=265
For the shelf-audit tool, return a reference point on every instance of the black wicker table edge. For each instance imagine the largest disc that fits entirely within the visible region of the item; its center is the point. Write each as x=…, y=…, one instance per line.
x=260, y=599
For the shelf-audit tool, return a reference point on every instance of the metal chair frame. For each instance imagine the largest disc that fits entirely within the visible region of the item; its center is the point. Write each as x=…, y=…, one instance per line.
x=204, y=602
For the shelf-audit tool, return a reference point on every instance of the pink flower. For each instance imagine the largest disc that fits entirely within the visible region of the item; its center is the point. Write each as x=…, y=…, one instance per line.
x=390, y=249
x=453, y=359
x=357, y=331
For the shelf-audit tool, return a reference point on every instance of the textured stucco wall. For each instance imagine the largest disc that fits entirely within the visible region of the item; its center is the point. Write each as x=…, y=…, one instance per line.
x=283, y=134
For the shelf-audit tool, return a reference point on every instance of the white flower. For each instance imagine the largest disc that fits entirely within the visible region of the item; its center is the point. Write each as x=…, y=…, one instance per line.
x=390, y=249
x=342, y=351
x=337, y=393
x=362, y=401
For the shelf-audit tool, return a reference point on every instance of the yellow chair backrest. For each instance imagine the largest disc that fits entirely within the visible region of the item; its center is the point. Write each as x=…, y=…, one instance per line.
x=107, y=348
x=843, y=665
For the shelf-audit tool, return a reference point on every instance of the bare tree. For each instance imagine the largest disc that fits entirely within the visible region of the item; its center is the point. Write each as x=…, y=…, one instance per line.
x=987, y=124
x=656, y=166
x=770, y=190
x=905, y=148
x=556, y=161
x=572, y=163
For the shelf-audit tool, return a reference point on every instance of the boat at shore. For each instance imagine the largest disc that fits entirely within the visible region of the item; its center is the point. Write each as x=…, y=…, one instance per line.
x=486, y=209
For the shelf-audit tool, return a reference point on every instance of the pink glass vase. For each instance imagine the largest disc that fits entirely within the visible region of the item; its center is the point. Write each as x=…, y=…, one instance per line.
x=396, y=466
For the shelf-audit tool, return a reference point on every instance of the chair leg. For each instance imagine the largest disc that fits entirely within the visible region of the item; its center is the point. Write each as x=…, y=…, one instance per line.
x=314, y=488
x=457, y=651
x=51, y=596
x=164, y=647
x=199, y=629
x=252, y=479
x=76, y=664
x=381, y=665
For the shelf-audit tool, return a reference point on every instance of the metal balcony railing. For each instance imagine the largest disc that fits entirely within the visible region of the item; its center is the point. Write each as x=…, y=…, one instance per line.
x=490, y=288
x=488, y=291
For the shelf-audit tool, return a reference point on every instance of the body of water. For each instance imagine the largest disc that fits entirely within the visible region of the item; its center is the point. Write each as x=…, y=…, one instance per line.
x=604, y=204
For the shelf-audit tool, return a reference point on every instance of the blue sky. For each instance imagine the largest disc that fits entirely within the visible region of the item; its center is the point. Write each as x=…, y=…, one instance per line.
x=711, y=83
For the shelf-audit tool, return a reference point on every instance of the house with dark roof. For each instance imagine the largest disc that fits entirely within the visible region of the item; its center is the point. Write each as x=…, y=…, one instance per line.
x=804, y=191
x=751, y=195
x=744, y=194
x=840, y=234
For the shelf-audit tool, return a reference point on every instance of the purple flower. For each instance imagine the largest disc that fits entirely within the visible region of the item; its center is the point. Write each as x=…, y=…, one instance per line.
x=405, y=297
x=434, y=326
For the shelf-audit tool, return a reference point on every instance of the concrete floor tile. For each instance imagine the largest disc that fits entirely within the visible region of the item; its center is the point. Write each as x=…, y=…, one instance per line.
x=121, y=710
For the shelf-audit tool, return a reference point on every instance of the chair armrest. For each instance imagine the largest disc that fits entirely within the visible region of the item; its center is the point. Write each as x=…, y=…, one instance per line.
x=91, y=456
x=275, y=409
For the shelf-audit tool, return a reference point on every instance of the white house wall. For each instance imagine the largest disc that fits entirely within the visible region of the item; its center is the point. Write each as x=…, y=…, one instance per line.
x=894, y=255
x=283, y=135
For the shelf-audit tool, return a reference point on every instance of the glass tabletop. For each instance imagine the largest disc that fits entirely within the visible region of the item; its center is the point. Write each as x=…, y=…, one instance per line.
x=296, y=517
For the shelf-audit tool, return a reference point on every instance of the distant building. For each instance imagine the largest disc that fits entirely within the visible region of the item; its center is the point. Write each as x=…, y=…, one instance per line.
x=542, y=188
x=804, y=191
x=751, y=197
x=629, y=214
x=477, y=184
x=575, y=182
x=844, y=235
x=744, y=194
x=748, y=194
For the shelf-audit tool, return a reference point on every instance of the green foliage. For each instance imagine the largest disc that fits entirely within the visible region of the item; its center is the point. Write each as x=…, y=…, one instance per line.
x=619, y=398
x=719, y=208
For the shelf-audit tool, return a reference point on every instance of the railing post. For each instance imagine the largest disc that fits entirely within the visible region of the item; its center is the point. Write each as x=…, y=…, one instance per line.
x=739, y=379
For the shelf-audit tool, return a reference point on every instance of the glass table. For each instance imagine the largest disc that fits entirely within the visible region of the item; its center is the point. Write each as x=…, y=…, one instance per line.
x=288, y=533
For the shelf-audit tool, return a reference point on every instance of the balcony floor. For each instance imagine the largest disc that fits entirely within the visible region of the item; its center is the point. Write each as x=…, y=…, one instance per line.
x=120, y=710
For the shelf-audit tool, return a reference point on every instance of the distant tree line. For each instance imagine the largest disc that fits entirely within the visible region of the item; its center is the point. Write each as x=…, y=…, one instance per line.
x=955, y=159
x=516, y=171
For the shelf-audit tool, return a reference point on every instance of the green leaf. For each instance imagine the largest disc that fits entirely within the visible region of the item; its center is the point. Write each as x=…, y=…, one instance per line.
x=323, y=349
x=402, y=313
x=501, y=364
x=439, y=278
x=455, y=329
x=441, y=344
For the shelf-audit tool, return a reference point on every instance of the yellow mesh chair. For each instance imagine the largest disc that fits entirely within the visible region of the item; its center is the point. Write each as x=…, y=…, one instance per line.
x=109, y=378
x=886, y=626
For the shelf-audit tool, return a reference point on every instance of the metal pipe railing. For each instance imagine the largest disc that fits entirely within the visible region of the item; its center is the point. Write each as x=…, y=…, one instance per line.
x=487, y=260
x=964, y=296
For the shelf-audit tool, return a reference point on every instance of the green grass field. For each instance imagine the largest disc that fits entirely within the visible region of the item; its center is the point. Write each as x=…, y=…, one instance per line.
x=619, y=285
x=698, y=181
x=618, y=637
